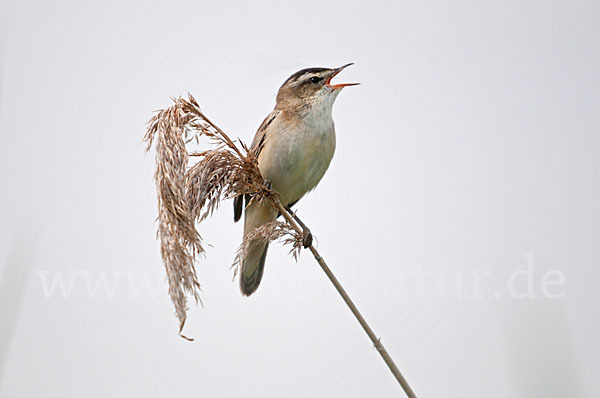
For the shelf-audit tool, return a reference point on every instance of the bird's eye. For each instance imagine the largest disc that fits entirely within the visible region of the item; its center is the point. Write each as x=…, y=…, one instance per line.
x=315, y=79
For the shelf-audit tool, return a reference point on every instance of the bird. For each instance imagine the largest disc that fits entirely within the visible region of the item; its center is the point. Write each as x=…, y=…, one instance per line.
x=294, y=146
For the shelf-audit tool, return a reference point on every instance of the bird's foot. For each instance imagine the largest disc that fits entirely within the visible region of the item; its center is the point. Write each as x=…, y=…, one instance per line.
x=307, y=237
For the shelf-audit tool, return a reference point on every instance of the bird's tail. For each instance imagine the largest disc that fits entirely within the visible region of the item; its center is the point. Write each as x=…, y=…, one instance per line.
x=253, y=266
x=253, y=262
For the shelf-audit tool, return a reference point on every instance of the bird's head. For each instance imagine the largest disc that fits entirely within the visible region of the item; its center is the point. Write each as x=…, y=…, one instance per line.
x=310, y=87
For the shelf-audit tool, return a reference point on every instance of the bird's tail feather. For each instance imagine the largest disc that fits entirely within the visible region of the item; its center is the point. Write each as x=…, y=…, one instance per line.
x=253, y=266
x=253, y=263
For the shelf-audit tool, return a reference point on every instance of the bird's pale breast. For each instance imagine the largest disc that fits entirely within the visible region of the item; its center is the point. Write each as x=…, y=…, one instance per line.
x=296, y=155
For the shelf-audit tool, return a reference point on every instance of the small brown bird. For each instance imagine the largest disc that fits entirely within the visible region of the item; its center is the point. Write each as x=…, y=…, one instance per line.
x=294, y=146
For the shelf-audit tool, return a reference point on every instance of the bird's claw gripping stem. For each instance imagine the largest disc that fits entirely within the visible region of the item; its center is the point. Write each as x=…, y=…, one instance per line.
x=307, y=237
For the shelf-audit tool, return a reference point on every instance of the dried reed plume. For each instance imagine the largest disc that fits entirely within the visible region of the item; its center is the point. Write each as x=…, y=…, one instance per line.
x=189, y=195
x=179, y=240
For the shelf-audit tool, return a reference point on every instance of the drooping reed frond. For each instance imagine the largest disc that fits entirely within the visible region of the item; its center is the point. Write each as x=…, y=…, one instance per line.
x=180, y=242
x=189, y=195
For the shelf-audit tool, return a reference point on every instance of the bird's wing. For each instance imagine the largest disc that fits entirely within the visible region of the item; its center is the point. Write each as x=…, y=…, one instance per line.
x=238, y=206
x=257, y=145
x=261, y=134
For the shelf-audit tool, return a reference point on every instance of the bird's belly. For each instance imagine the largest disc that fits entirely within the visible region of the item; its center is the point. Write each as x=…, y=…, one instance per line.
x=295, y=162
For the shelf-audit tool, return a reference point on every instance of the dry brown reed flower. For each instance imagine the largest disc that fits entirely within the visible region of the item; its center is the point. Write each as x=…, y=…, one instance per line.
x=189, y=195
x=180, y=242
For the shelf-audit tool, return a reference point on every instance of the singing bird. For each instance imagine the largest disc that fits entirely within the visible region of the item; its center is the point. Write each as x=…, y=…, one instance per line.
x=294, y=146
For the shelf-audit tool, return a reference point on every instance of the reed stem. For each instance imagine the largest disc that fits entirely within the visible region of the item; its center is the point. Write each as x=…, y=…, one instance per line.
x=338, y=286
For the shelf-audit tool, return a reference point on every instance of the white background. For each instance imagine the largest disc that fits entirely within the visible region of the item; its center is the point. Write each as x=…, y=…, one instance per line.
x=470, y=147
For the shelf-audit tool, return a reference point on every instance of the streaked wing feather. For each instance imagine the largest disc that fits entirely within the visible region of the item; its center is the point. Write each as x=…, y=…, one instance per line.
x=261, y=134
x=257, y=145
x=238, y=206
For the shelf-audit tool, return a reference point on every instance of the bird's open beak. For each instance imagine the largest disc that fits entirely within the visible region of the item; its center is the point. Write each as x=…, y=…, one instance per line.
x=335, y=72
